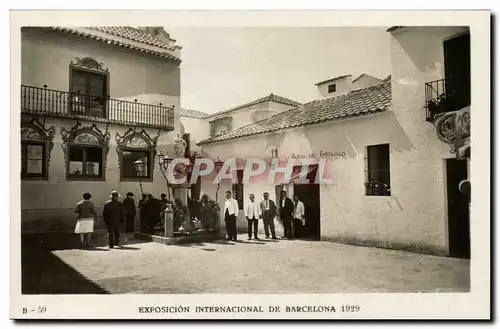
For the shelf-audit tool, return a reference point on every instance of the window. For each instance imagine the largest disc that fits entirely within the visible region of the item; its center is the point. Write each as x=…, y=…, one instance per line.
x=332, y=88
x=33, y=160
x=129, y=156
x=220, y=126
x=378, y=181
x=133, y=147
x=85, y=161
x=88, y=93
x=36, y=146
x=238, y=189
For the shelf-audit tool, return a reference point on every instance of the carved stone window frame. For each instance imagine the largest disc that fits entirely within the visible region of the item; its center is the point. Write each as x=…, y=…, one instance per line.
x=103, y=138
x=122, y=142
x=45, y=138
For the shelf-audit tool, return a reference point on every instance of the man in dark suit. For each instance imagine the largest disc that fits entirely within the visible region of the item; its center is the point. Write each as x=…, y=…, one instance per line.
x=130, y=213
x=268, y=213
x=286, y=214
x=113, y=216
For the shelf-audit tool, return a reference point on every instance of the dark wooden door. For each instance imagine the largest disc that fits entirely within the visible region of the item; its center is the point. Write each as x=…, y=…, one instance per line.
x=309, y=194
x=457, y=70
x=458, y=209
x=88, y=93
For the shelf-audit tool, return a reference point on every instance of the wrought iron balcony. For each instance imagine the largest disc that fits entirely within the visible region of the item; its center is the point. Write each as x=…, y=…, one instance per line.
x=445, y=95
x=56, y=103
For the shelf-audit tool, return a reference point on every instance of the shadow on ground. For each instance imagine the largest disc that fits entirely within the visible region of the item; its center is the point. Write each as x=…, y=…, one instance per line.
x=45, y=273
x=224, y=242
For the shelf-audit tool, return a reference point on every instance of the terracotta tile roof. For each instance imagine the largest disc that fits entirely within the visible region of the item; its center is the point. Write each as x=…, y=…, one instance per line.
x=126, y=37
x=333, y=79
x=271, y=97
x=357, y=103
x=366, y=75
x=193, y=114
x=133, y=34
x=222, y=117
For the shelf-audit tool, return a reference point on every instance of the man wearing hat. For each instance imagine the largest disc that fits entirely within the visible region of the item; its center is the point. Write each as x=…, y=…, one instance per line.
x=130, y=213
x=113, y=216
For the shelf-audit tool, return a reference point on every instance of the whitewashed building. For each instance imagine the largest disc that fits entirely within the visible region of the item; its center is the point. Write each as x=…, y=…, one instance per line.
x=93, y=101
x=393, y=178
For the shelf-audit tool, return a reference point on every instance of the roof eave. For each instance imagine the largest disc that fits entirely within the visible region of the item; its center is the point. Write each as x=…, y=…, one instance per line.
x=109, y=41
x=394, y=29
x=332, y=120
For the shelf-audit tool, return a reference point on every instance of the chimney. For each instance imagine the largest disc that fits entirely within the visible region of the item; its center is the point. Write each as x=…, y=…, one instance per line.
x=335, y=86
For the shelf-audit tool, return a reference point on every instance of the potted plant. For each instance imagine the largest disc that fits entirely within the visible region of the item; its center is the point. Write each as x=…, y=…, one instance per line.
x=441, y=104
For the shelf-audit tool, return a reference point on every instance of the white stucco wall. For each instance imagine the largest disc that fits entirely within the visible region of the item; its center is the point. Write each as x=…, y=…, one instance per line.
x=51, y=203
x=247, y=115
x=199, y=129
x=415, y=213
x=46, y=57
x=343, y=86
x=365, y=81
x=345, y=210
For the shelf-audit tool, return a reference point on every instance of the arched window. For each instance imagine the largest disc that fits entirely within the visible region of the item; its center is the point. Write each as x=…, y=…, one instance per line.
x=133, y=146
x=36, y=145
x=86, y=150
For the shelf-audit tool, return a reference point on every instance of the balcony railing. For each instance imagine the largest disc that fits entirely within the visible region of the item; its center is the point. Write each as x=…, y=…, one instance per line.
x=56, y=103
x=446, y=95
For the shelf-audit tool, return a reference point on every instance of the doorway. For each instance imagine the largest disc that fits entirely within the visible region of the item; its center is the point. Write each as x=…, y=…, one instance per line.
x=458, y=209
x=457, y=70
x=309, y=194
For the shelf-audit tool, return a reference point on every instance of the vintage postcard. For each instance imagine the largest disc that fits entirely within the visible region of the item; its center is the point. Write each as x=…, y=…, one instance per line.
x=250, y=165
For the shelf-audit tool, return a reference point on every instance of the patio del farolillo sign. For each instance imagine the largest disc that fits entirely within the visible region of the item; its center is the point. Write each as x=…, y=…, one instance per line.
x=321, y=154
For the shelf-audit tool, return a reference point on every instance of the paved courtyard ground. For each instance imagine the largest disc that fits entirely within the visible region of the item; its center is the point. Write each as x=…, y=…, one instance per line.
x=264, y=266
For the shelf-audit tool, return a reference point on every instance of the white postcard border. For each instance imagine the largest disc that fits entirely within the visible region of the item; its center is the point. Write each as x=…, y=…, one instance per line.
x=475, y=304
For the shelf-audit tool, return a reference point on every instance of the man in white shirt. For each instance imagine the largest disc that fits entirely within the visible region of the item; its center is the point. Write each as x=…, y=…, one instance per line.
x=230, y=213
x=252, y=214
x=299, y=219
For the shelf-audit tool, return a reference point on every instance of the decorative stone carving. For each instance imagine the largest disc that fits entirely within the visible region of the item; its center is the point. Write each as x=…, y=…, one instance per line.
x=30, y=134
x=90, y=135
x=454, y=127
x=132, y=138
x=463, y=123
x=179, y=146
x=86, y=138
x=82, y=132
x=139, y=140
x=88, y=63
x=445, y=127
x=34, y=130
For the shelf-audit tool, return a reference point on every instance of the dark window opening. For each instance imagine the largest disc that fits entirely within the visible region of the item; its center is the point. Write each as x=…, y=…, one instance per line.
x=127, y=164
x=378, y=180
x=33, y=159
x=332, y=88
x=238, y=189
x=88, y=93
x=85, y=162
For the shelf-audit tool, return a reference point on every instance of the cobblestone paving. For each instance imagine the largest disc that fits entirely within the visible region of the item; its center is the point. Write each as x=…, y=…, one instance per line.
x=265, y=267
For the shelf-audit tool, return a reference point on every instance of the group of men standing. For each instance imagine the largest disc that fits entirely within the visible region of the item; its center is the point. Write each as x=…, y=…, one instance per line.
x=117, y=215
x=292, y=214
